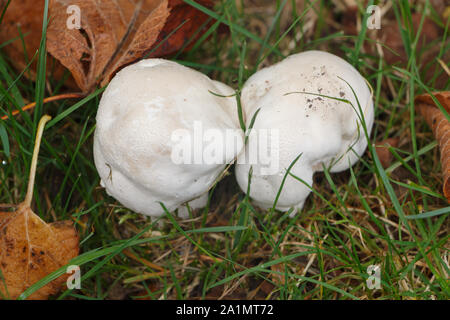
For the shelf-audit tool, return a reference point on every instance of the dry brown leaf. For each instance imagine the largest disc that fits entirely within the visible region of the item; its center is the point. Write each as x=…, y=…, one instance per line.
x=183, y=27
x=113, y=34
x=30, y=249
x=441, y=129
x=23, y=19
x=442, y=97
x=17, y=21
x=382, y=149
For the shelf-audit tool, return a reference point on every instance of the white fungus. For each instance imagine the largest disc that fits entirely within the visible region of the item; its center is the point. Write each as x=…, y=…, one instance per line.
x=143, y=106
x=323, y=131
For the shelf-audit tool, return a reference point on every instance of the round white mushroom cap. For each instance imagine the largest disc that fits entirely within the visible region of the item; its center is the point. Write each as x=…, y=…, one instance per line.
x=301, y=121
x=149, y=112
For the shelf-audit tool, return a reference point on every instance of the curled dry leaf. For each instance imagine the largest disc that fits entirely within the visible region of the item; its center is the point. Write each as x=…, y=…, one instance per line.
x=442, y=97
x=112, y=34
x=441, y=129
x=30, y=249
x=382, y=149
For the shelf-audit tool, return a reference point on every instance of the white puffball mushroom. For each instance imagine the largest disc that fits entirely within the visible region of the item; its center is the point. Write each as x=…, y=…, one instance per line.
x=143, y=107
x=324, y=131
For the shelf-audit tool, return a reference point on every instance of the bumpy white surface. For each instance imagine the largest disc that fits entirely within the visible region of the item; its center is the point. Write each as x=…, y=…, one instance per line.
x=138, y=112
x=325, y=131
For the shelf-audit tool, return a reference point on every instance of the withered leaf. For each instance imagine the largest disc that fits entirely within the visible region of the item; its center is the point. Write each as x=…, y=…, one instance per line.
x=441, y=129
x=113, y=34
x=23, y=20
x=17, y=22
x=30, y=249
x=104, y=43
x=442, y=97
x=183, y=28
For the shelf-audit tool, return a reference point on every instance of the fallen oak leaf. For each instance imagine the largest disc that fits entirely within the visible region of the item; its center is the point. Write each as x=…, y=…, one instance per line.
x=30, y=249
x=441, y=129
x=113, y=34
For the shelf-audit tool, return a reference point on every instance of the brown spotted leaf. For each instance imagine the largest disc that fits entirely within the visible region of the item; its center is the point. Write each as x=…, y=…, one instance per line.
x=113, y=34
x=441, y=129
x=30, y=249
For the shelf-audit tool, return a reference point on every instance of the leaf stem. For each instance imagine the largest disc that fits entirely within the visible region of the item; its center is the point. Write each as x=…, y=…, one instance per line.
x=34, y=160
x=46, y=100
